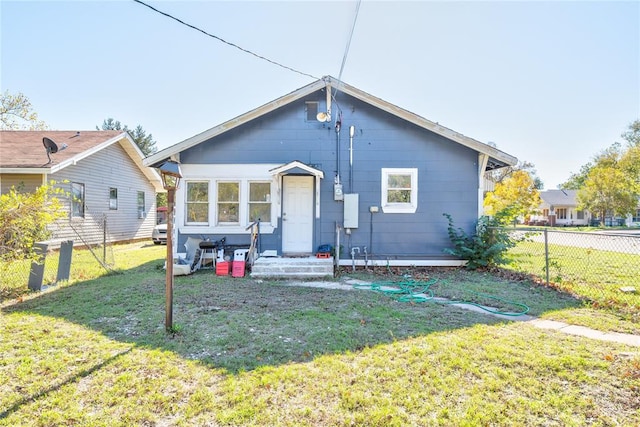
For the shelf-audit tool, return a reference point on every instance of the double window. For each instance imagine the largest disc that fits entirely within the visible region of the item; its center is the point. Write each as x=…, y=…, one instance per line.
x=561, y=213
x=399, y=190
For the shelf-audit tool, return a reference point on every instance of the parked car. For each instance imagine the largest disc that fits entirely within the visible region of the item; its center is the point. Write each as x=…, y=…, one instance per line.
x=159, y=234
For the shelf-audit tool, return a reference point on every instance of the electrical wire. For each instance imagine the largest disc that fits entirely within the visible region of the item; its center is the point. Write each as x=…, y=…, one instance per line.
x=224, y=41
x=346, y=50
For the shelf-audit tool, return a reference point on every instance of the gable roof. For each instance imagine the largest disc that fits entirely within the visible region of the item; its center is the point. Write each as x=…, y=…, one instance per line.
x=24, y=152
x=497, y=158
x=560, y=197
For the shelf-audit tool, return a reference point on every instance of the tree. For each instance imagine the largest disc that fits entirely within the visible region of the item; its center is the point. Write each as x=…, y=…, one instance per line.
x=499, y=175
x=608, y=190
x=632, y=136
x=17, y=113
x=576, y=180
x=516, y=194
x=609, y=157
x=145, y=142
x=24, y=218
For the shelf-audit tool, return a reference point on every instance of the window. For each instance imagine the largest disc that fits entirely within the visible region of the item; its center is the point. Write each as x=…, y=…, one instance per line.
x=260, y=201
x=399, y=190
x=311, y=110
x=113, y=199
x=579, y=214
x=141, y=207
x=197, y=209
x=561, y=213
x=228, y=202
x=545, y=212
x=636, y=217
x=77, y=200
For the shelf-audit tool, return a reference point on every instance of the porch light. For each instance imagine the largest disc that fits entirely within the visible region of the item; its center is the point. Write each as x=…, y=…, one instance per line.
x=170, y=173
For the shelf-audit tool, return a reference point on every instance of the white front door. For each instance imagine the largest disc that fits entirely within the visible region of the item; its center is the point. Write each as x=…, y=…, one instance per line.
x=297, y=214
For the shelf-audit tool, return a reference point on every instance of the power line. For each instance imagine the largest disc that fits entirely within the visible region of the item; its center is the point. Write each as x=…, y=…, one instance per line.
x=224, y=41
x=346, y=50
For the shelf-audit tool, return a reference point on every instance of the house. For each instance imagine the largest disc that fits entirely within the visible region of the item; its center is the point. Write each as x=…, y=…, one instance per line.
x=110, y=193
x=330, y=163
x=560, y=208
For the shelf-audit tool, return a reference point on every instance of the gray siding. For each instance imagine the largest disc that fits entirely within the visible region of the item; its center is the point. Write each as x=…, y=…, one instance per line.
x=108, y=168
x=24, y=182
x=447, y=177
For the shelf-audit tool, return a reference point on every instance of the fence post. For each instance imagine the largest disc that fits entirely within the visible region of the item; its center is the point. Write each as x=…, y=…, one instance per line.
x=36, y=274
x=546, y=253
x=104, y=239
x=64, y=263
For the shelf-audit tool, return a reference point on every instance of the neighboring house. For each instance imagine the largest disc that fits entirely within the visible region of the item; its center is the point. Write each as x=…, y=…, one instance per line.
x=326, y=161
x=100, y=171
x=560, y=208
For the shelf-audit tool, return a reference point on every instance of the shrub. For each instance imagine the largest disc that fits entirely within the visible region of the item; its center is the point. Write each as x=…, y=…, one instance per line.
x=24, y=218
x=487, y=247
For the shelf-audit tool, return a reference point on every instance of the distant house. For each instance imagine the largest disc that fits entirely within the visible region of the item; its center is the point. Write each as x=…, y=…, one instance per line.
x=327, y=163
x=560, y=208
x=110, y=193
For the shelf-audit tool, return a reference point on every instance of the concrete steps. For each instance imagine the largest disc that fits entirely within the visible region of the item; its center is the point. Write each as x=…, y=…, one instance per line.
x=288, y=268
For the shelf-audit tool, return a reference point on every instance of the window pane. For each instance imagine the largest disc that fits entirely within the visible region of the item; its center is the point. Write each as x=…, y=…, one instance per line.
x=197, y=191
x=77, y=199
x=197, y=212
x=141, y=207
x=260, y=211
x=259, y=192
x=399, y=196
x=228, y=212
x=228, y=192
x=113, y=198
x=197, y=202
x=399, y=181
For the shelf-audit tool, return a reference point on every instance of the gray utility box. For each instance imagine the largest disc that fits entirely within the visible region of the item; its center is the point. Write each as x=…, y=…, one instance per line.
x=350, y=211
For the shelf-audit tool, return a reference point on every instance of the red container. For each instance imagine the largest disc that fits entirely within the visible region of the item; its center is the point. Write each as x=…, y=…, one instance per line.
x=238, y=269
x=222, y=268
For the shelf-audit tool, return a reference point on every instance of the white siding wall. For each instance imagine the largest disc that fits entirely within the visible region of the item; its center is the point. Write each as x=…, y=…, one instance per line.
x=109, y=168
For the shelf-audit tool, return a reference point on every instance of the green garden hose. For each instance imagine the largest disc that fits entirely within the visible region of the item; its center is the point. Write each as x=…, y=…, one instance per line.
x=408, y=290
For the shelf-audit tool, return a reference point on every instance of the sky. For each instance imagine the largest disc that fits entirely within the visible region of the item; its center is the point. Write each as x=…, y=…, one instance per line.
x=552, y=83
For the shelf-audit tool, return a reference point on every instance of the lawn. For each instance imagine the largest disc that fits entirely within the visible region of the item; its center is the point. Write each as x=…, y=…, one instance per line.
x=595, y=275
x=95, y=352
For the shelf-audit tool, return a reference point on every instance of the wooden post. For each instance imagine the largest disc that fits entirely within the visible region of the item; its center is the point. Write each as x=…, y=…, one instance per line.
x=171, y=192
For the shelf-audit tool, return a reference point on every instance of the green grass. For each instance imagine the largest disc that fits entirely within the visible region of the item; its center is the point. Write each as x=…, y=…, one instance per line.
x=95, y=352
x=596, y=276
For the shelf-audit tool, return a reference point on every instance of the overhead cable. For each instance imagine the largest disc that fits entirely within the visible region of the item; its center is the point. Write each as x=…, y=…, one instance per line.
x=346, y=50
x=224, y=41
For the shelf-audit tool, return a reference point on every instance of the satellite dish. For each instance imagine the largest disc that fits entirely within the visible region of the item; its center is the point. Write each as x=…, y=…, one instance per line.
x=323, y=117
x=51, y=147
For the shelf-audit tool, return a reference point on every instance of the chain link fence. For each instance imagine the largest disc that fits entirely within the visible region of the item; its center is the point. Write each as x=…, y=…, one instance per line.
x=15, y=275
x=602, y=268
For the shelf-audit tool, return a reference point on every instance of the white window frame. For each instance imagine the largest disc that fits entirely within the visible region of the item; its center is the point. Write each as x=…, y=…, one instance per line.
x=249, y=202
x=186, y=202
x=113, y=199
x=388, y=207
x=78, y=202
x=239, y=203
x=243, y=174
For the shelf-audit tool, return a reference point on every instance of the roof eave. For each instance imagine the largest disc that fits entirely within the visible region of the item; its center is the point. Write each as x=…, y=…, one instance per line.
x=169, y=152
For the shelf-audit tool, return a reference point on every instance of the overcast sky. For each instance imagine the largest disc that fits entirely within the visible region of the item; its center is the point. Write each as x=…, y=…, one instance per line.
x=552, y=83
